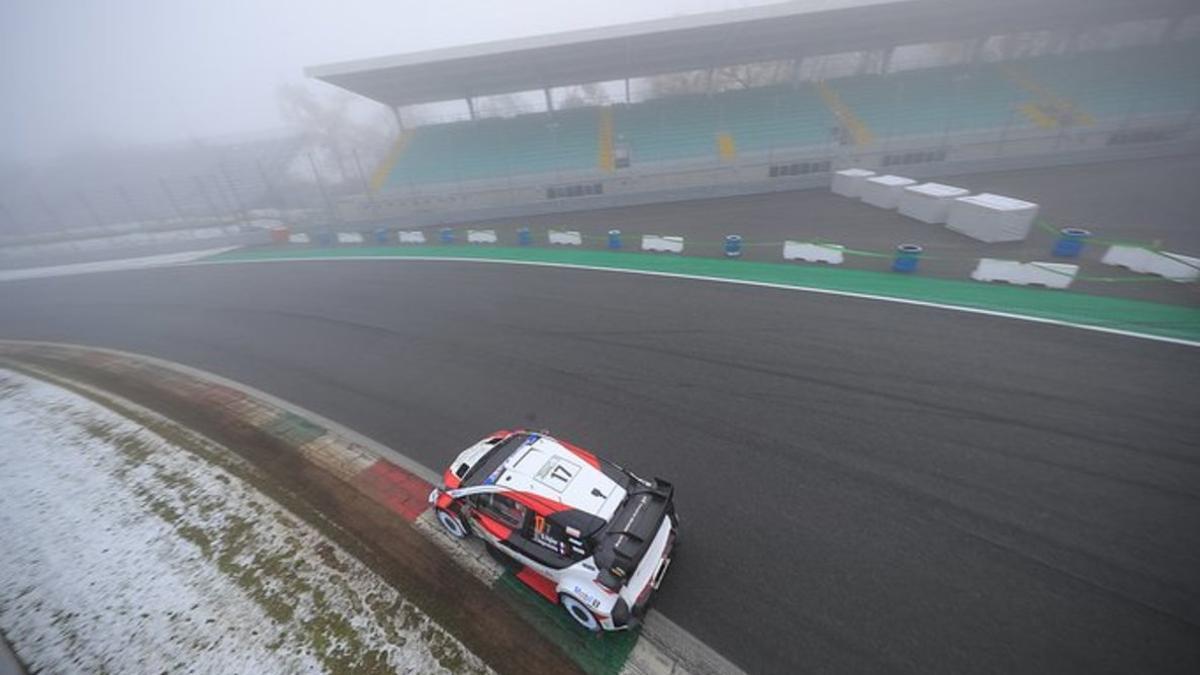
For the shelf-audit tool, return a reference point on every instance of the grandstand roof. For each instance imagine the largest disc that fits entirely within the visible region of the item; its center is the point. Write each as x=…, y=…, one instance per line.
x=700, y=41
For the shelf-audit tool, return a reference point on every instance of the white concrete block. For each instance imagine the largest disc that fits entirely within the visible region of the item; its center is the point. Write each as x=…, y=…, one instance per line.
x=929, y=202
x=349, y=238
x=1050, y=275
x=1173, y=266
x=885, y=191
x=299, y=238
x=568, y=238
x=992, y=218
x=1176, y=267
x=849, y=182
x=206, y=233
x=658, y=242
x=481, y=236
x=412, y=237
x=1132, y=258
x=808, y=252
x=991, y=269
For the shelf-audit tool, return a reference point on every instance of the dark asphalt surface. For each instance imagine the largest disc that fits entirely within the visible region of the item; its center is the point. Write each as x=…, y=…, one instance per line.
x=865, y=487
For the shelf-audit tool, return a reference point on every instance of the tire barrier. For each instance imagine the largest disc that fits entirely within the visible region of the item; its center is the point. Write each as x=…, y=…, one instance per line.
x=568, y=238
x=929, y=202
x=446, y=235
x=524, y=237
x=481, y=236
x=662, y=244
x=1050, y=275
x=885, y=191
x=992, y=218
x=299, y=238
x=809, y=252
x=1172, y=266
x=614, y=240
x=1070, y=242
x=733, y=246
x=907, y=257
x=349, y=238
x=412, y=237
x=849, y=182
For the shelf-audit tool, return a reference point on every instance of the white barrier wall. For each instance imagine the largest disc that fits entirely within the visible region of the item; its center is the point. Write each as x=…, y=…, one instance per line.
x=299, y=238
x=1173, y=266
x=884, y=191
x=568, y=238
x=801, y=250
x=412, y=237
x=658, y=242
x=929, y=202
x=1050, y=275
x=481, y=236
x=349, y=238
x=849, y=182
x=991, y=218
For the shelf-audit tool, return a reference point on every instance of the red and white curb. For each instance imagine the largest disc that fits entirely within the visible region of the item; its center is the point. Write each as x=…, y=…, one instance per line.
x=381, y=473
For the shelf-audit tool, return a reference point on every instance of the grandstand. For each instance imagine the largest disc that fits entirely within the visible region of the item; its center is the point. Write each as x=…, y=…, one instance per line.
x=1062, y=103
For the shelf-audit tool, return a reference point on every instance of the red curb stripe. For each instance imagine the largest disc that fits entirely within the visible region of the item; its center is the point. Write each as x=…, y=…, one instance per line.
x=395, y=488
x=543, y=586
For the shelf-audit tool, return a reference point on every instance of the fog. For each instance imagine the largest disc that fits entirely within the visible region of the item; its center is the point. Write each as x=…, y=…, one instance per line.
x=80, y=74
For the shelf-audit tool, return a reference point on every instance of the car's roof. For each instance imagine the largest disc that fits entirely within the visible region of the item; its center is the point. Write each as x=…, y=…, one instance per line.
x=560, y=474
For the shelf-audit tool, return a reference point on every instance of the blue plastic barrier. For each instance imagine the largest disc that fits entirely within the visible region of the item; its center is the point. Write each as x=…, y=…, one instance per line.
x=733, y=245
x=907, y=257
x=614, y=239
x=1070, y=242
x=524, y=236
x=381, y=235
x=325, y=238
x=447, y=235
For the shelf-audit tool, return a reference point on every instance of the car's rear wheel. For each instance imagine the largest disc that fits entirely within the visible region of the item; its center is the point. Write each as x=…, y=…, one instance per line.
x=452, y=524
x=579, y=611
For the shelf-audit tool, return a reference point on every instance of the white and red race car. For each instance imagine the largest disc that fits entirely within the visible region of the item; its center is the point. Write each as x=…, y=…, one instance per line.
x=581, y=531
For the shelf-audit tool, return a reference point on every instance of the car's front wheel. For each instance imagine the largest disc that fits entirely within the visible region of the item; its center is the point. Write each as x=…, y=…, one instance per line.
x=452, y=524
x=579, y=611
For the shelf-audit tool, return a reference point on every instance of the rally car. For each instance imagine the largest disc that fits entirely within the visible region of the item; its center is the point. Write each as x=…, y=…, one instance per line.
x=581, y=531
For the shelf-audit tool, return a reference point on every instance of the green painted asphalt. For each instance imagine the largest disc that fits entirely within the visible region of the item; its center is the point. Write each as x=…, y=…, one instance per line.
x=1117, y=314
x=595, y=653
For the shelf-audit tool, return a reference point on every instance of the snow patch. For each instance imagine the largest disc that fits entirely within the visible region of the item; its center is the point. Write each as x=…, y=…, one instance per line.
x=125, y=552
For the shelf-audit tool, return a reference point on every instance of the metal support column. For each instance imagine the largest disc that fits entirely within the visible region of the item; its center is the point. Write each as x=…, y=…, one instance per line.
x=471, y=107
x=549, y=100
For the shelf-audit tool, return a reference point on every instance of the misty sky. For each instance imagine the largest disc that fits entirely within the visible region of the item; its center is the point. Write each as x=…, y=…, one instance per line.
x=75, y=73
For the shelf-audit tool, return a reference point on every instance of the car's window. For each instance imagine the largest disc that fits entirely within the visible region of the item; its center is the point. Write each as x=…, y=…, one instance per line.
x=504, y=509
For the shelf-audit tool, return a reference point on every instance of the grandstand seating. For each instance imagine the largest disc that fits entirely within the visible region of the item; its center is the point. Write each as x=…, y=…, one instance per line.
x=1047, y=91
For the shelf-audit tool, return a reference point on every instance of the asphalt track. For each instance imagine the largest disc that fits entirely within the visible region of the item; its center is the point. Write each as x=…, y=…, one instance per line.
x=865, y=487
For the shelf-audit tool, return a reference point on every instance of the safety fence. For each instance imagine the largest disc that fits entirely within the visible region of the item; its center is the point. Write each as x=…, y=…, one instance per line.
x=1149, y=260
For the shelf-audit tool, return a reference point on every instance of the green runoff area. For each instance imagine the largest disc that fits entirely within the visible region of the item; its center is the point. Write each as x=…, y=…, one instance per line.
x=1118, y=314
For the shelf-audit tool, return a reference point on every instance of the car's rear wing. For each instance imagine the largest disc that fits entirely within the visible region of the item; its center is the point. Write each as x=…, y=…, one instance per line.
x=621, y=546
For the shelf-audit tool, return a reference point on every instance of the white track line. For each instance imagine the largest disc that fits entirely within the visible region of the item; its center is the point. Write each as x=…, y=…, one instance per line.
x=742, y=282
